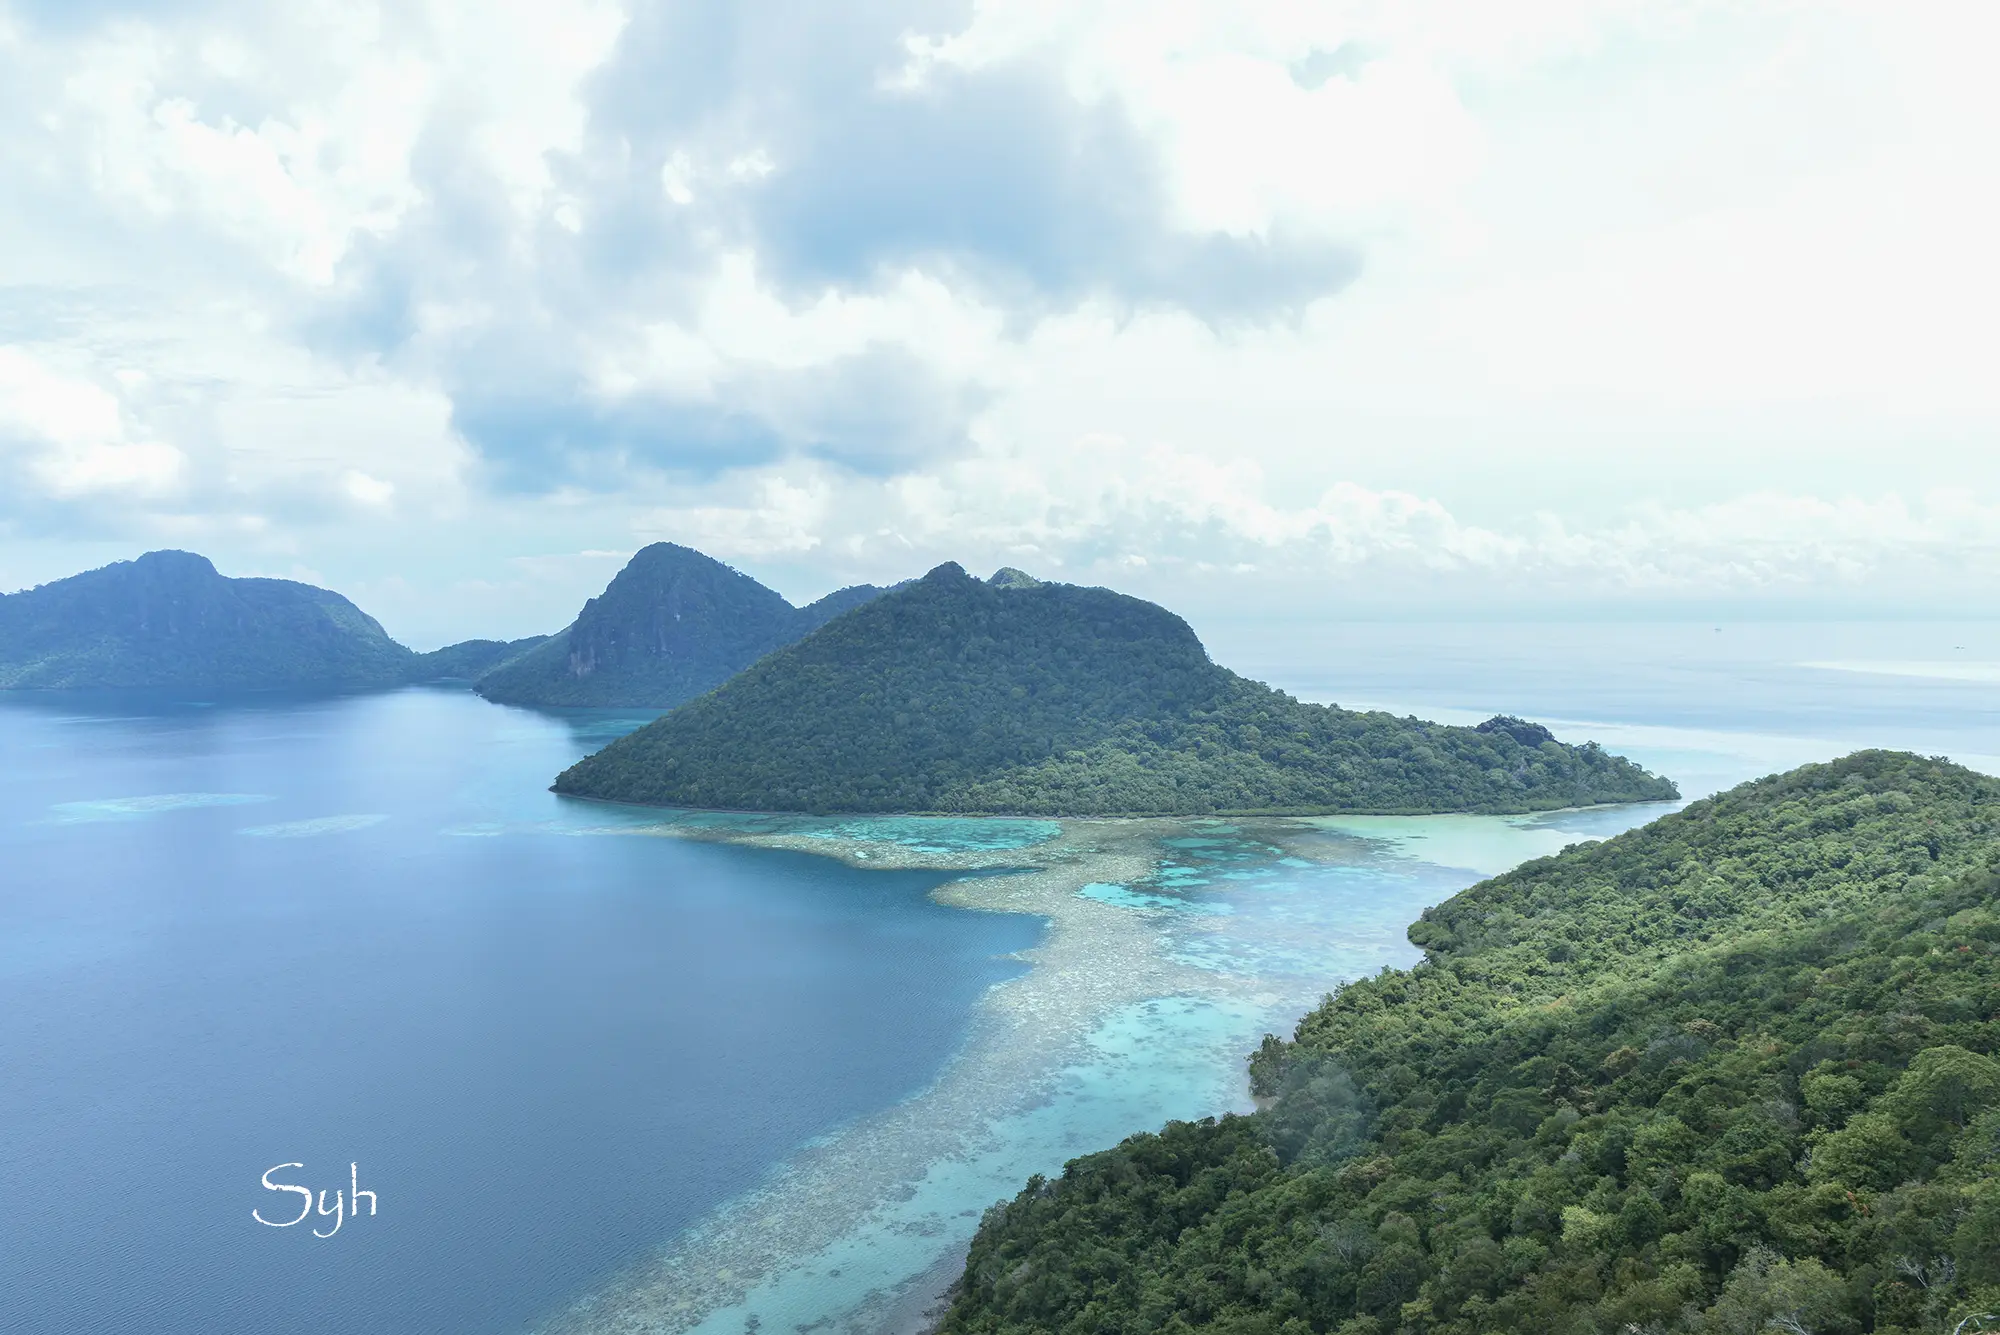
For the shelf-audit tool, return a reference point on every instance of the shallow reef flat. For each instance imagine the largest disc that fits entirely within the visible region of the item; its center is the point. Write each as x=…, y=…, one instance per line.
x=1171, y=946
x=318, y=825
x=854, y=1217
x=137, y=808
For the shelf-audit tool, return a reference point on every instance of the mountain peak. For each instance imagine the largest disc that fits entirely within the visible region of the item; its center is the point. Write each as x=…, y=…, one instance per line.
x=951, y=572
x=658, y=554
x=173, y=561
x=671, y=625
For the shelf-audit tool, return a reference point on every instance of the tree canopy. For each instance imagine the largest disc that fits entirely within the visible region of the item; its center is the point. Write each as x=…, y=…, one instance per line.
x=1734, y=1071
x=1023, y=697
x=468, y=660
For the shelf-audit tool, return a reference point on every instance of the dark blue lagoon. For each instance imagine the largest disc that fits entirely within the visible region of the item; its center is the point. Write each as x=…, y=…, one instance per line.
x=242, y=933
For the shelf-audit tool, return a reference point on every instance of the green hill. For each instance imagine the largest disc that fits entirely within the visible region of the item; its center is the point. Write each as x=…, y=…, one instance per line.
x=469, y=660
x=1731, y=1072
x=672, y=624
x=169, y=619
x=1016, y=696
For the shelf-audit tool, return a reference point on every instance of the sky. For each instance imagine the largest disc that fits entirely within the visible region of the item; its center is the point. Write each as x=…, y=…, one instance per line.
x=1316, y=311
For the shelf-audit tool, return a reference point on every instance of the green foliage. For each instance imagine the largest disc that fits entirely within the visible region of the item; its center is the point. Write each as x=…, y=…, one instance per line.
x=955, y=695
x=1731, y=1072
x=469, y=660
x=168, y=619
x=672, y=624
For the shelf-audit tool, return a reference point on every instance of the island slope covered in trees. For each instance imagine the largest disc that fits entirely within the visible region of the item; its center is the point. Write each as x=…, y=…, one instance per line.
x=469, y=660
x=1731, y=1072
x=1018, y=696
x=169, y=619
x=672, y=624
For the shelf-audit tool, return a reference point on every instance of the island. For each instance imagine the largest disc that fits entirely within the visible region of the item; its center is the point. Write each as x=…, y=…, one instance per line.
x=1025, y=697
x=1732, y=1071
x=673, y=624
x=169, y=619
x=469, y=660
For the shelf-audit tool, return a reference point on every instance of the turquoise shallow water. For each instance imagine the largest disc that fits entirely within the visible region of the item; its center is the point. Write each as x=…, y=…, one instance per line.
x=935, y=835
x=1238, y=926
x=1168, y=1057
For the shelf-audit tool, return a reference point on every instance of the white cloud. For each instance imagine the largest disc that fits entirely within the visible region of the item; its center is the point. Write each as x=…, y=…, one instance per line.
x=773, y=517
x=294, y=188
x=1652, y=299
x=1340, y=117
x=512, y=75
x=366, y=490
x=740, y=323
x=1103, y=506
x=293, y=132
x=73, y=436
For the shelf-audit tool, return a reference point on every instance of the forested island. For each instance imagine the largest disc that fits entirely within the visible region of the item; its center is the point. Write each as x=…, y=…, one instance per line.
x=169, y=619
x=1015, y=696
x=1733, y=1071
x=469, y=660
x=672, y=624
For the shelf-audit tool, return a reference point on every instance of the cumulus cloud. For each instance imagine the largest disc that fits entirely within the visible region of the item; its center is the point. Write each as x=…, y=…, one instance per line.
x=1150, y=518
x=484, y=197
x=1552, y=297
x=70, y=438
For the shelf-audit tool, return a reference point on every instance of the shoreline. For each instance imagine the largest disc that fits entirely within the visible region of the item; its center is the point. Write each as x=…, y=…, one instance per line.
x=922, y=1307
x=1234, y=814
x=1027, y=1033
x=1135, y=1009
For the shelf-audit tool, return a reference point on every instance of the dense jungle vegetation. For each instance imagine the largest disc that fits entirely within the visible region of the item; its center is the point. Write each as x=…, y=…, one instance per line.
x=469, y=660
x=1731, y=1072
x=1020, y=697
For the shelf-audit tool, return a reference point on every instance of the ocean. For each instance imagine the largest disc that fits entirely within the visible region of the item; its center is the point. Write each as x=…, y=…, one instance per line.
x=242, y=933
x=603, y=1075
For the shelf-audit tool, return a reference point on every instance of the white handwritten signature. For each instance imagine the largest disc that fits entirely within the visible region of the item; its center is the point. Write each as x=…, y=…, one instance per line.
x=344, y=1202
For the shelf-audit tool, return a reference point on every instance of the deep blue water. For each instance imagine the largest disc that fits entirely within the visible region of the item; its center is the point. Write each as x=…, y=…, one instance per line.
x=237, y=934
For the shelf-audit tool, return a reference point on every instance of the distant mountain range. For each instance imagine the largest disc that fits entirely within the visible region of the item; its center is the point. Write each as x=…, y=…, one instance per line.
x=672, y=625
x=1016, y=696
